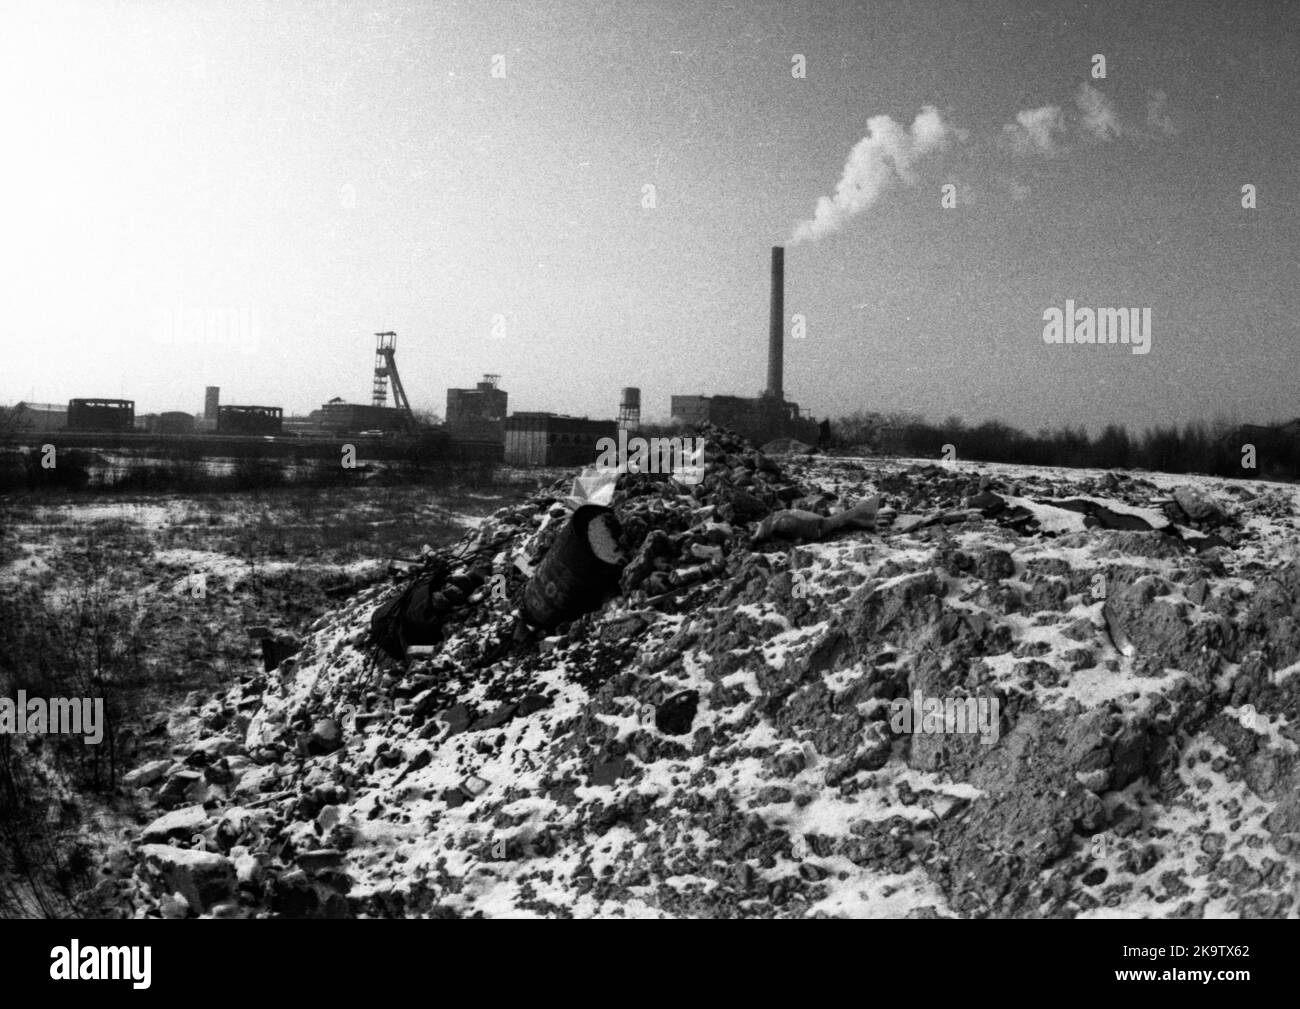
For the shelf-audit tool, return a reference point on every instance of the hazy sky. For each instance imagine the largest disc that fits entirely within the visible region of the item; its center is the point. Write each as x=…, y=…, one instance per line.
x=309, y=173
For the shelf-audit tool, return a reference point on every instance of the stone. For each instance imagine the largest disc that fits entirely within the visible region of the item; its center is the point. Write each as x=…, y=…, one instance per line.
x=146, y=774
x=608, y=772
x=1197, y=505
x=319, y=859
x=326, y=737
x=203, y=878
x=457, y=717
x=181, y=823
x=675, y=715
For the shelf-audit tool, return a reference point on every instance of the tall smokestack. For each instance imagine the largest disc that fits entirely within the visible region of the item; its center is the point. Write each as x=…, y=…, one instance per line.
x=776, y=326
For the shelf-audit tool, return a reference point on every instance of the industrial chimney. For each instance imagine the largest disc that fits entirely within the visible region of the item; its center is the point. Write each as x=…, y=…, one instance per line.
x=776, y=324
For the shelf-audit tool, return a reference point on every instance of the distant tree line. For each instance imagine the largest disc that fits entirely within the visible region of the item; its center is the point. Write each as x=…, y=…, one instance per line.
x=1218, y=448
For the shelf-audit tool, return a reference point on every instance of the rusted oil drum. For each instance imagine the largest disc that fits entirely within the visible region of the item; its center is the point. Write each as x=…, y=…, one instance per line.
x=581, y=567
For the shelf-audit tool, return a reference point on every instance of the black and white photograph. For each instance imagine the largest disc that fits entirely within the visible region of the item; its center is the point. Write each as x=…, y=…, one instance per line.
x=558, y=459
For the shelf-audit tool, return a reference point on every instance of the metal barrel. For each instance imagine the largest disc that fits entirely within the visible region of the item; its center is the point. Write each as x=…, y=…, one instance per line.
x=571, y=580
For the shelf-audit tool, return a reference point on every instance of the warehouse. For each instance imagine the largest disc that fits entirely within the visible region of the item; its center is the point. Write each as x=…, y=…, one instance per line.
x=548, y=439
x=40, y=417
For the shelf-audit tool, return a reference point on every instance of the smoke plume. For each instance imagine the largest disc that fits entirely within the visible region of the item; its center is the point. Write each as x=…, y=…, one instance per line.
x=891, y=154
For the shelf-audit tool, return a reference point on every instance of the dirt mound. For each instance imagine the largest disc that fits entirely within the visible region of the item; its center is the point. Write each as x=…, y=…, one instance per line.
x=749, y=727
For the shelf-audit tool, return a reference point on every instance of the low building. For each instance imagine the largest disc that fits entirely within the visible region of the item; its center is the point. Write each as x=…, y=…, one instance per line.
x=303, y=427
x=41, y=416
x=174, y=422
x=101, y=415
x=338, y=417
x=479, y=412
x=760, y=419
x=548, y=439
x=254, y=420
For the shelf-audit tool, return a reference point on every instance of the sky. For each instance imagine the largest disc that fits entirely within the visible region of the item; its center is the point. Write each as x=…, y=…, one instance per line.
x=242, y=194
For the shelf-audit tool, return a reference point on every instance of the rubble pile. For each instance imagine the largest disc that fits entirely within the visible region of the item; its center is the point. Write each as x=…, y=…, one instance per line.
x=716, y=737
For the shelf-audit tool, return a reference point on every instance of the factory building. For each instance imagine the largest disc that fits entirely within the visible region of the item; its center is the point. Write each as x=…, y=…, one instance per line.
x=101, y=415
x=769, y=415
x=338, y=417
x=169, y=422
x=263, y=420
x=479, y=412
x=548, y=439
x=41, y=416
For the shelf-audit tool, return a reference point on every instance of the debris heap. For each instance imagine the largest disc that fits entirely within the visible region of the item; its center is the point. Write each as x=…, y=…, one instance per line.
x=716, y=736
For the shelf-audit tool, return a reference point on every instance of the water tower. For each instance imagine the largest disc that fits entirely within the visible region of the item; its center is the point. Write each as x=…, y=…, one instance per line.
x=629, y=409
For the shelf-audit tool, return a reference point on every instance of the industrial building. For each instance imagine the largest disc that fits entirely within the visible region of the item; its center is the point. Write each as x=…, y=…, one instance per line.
x=263, y=420
x=101, y=415
x=41, y=416
x=479, y=412
x=769, y=415
x=338, y=417
x=548, y=439
x=169, y=422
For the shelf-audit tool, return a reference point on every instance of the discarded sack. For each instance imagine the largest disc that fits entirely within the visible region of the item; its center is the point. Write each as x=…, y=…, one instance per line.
x=796, y=523
x=580, y=568
x=413, y=617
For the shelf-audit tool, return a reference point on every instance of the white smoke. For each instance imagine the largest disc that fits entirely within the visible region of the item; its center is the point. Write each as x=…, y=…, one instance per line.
x=1036, y=131
x=889, y=153
x=1099, y=118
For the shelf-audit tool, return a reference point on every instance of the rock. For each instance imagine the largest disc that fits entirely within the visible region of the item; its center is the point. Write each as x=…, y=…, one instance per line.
x=496, y=719
x=293, y=895
x=532, y=702
x=1198, y=506
x=608, y=772
x=203, y=878
x=319, y=859
x=174, y=906
x=181, y=787
x=987, y=502
x=181, y=823
x=217, y=746
x=457, y=717
x=675, y=715
x=994, y=565
x=326, y=737
x=146, y=774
